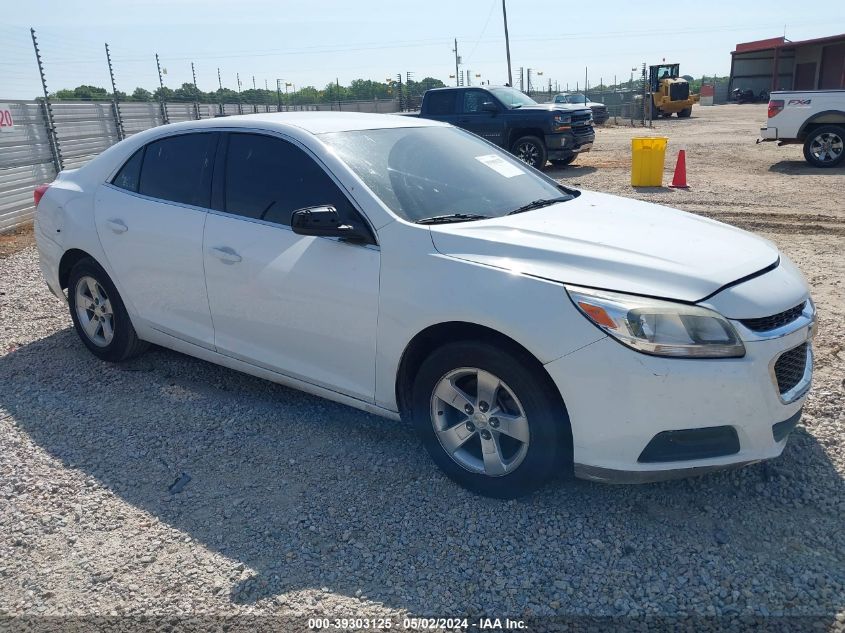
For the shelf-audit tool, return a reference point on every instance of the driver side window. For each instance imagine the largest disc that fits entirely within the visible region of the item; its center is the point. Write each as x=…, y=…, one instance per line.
x=268, y=179
x=473, y=100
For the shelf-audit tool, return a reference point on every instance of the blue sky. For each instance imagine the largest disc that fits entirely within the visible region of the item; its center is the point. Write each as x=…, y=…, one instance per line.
x=314, y=41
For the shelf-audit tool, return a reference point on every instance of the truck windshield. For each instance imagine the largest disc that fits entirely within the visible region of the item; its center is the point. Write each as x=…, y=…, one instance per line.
x=573, y=98
x=428, y=172
x=511, y=97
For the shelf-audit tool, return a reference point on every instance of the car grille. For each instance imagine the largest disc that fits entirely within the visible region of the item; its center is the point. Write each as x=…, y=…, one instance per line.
x=581, y=119
x=789, y=368
x=679, y=91
x=764, y=324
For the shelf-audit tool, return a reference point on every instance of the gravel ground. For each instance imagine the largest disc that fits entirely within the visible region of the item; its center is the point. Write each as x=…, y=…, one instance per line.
x=300, y=507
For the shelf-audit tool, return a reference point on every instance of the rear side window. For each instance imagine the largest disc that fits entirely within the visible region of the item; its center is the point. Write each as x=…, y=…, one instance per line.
x=178, y=169
x=130, y=174
x=441, y=102
x=268, y=179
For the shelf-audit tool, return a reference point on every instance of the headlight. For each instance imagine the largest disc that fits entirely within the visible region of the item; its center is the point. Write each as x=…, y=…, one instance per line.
x=663, y=328
x=561, y=122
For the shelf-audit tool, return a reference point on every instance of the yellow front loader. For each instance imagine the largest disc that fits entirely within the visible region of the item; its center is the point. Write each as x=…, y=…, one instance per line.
x=669, y=92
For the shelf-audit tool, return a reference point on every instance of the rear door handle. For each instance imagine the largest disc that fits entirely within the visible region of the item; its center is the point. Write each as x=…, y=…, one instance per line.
x=225, y=254
x=117, y=225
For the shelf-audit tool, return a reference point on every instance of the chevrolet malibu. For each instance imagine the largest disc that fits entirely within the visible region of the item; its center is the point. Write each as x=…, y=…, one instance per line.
x=413, y=270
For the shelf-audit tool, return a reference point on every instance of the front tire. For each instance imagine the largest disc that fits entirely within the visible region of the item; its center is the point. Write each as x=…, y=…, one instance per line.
x=825, y=146
x=685, y=113
x=531, y=151
x=489, y=419
x=98, y=314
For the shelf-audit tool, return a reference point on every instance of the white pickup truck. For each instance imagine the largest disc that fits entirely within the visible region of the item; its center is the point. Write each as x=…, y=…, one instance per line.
x=815, y=118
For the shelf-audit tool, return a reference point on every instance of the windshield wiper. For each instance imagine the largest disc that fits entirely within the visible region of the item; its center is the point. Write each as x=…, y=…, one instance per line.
x=538, y=204
x=452, y=217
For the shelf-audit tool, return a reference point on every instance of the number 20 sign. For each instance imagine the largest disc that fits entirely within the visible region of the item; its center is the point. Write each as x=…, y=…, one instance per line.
x=6, y=120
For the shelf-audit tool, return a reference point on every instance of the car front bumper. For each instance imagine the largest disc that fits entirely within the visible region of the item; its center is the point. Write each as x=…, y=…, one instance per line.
x=620, y=401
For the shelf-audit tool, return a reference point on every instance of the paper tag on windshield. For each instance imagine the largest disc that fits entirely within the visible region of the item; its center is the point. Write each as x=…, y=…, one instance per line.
x=500, y=165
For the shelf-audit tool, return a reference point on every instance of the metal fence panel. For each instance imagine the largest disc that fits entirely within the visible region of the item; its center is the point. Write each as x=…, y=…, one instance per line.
x=26, y=161
x=84, y=129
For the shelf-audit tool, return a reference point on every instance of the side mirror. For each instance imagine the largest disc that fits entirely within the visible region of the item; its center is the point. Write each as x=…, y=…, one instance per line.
x=489, y=106
x=322, y=221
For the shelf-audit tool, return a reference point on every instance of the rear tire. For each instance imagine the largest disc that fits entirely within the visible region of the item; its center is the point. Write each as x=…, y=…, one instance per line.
x=98, y=314
x=531, y=151
x=685, y=113
x=504, y=448
x=825, y=146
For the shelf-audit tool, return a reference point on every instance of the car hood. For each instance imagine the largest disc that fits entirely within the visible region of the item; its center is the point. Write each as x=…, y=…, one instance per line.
x=613, y=243
x=550, y=107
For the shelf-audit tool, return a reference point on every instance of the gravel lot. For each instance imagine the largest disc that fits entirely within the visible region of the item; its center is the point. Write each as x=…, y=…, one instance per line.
x=299, y=507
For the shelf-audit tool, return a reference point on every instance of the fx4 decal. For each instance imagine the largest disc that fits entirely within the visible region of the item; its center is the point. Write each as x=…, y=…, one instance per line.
x=799, y=103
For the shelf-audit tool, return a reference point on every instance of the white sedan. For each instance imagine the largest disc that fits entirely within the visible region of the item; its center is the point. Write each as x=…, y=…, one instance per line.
x=413, y=270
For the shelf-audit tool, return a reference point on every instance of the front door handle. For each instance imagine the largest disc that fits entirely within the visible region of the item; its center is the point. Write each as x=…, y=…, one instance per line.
x=117, y=225
x=226, y=254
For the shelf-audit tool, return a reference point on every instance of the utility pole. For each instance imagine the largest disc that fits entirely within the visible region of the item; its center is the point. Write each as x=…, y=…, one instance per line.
x=161, y=92
x=457, y=62
x=117, y=119
x=194, y=74
x=58, y=162
x=529, y=82
x=585, y=82
x=521, y=79
x=337, y=85
x=279, y=95
x=253, y=83
x=240, y=108
x=507, y=42
x=219, y=78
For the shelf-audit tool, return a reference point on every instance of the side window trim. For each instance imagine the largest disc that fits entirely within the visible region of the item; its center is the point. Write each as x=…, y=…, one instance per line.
x=222, y=158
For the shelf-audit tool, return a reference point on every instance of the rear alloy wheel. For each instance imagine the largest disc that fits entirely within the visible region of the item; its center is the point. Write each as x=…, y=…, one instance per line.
x=531, y=151
x=488, y=421
x=98, y=314
x=825, y=146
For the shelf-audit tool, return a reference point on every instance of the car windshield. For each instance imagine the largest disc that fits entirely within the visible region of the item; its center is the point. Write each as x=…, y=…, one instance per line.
x=511, y=97
x=574, y=98
x=428, y=172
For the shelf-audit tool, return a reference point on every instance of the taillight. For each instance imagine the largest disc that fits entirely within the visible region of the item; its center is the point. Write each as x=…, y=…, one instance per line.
x=39, y=192
x=775, y=106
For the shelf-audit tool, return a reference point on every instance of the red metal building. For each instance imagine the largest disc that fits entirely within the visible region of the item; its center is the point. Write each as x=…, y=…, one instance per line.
x=778, y=64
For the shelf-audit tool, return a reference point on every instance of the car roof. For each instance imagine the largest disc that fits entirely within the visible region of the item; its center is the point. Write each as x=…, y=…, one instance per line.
x=313, y=122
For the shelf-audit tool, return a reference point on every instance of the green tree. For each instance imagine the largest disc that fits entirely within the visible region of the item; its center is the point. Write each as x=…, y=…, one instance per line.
x=141, y=94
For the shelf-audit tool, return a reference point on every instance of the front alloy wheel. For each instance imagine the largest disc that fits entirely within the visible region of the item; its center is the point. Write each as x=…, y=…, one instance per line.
x=825, y=147
x=490, y=418
x=479, y=422
x=531, y=151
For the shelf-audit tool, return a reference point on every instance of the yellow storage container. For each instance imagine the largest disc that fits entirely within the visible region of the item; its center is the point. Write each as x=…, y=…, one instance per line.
x=648, y=157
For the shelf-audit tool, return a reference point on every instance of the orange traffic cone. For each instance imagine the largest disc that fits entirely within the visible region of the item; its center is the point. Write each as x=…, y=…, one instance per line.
x=679, y=180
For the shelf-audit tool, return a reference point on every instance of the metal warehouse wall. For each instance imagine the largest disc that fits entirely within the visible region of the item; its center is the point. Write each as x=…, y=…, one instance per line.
x=753, y=70
x=84, y=129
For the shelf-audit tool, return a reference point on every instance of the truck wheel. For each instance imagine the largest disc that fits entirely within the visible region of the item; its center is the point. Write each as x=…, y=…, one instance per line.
x=563, y=162
x=685, y=113
x=531, y=151
x=825, y=146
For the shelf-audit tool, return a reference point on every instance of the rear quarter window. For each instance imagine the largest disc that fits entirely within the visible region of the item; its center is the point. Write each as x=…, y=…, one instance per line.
x=130, y=174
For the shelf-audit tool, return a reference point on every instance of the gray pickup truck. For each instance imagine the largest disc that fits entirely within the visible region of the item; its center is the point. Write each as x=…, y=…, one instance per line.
x=535, y=133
